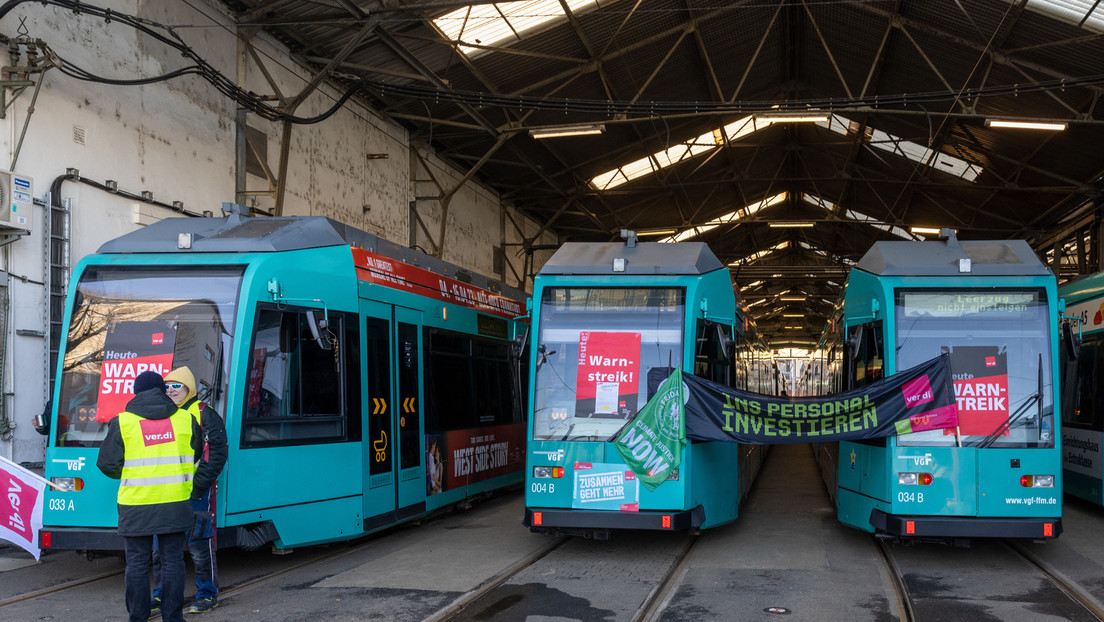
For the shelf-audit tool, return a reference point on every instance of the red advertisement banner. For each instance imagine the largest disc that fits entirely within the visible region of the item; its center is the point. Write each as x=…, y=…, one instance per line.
x=398, y=275
x=474, y=455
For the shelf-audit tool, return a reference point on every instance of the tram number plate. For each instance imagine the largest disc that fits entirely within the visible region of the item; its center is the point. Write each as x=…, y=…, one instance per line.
x=61, y=505
x=539, y=487
x=910, y=497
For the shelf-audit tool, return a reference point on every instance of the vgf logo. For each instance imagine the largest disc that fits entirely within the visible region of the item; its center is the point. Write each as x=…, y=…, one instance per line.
x=72, y=465
x=924, y=460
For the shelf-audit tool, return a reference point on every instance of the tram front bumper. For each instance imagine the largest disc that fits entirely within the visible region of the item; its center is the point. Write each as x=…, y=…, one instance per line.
x=79, y=539
x=556, y=519
x=965, y=526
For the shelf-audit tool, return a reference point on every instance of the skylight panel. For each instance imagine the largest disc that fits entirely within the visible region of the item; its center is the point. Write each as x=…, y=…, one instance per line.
x=748, y=125
x=913, y=151
x=758, y=255
x=1076, y=12
x=743, y=212
x=859, y=217
x=504, y=22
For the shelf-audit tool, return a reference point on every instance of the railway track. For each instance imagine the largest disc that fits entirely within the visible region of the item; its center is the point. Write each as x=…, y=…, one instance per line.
x=648, y=610
x=897, y=580
x=1079, y=597
x=56, y=589
x=1070, y=588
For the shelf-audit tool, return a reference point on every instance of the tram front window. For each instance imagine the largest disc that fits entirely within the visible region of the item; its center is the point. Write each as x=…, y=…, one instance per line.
x=597, y=350
x=127, y=319
x=1000, y=347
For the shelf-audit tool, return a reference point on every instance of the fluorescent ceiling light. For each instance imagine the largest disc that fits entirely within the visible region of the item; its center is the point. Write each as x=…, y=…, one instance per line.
x=795, y=327
x=793, y=315
x=567, y=130
x=655, y=232
x=782, y=117
x=928, y=230
x=792, y=298
x=776, y=224
x=1026, y=125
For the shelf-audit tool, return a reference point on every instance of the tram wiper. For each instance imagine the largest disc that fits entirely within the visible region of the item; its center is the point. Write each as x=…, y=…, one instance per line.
x=1034, y=398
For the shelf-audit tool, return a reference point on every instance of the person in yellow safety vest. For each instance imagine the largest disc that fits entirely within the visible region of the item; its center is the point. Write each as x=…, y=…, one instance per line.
x=180, y=386
x=152, y=448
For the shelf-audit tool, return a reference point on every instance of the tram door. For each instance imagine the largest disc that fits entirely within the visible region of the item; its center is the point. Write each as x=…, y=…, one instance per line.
x=378, y=408
x=410, y=433
x=395, y=474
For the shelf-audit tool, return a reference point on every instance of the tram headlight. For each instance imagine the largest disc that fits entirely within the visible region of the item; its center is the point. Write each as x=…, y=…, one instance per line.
x=914, y=479
x=545, y=472
x=67, y=484
x=1037, y=481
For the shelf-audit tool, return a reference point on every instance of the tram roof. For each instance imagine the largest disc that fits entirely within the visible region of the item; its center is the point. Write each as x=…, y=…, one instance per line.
x=644, y=258
x=941, y=258
x=237, y=233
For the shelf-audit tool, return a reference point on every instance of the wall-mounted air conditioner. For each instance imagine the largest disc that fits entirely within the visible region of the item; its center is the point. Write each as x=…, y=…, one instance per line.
x=16, y=201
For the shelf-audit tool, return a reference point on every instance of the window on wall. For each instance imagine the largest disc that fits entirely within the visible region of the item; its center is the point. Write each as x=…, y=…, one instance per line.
x=300, y=392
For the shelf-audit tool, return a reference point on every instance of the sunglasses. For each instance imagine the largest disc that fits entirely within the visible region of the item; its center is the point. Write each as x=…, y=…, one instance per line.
x=174, y=385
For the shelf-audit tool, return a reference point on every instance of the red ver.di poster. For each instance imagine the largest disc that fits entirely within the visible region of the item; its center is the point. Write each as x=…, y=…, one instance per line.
x=131, y=348
x=609, y=374
x=980, y=376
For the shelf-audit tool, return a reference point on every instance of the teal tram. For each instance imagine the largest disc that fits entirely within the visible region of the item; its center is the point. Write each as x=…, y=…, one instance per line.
x=1083, y=387
x=994, y=307
x=610, y=321
x=362, y=383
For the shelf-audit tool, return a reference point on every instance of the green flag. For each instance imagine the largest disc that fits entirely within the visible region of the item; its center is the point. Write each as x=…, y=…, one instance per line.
x=651, y=445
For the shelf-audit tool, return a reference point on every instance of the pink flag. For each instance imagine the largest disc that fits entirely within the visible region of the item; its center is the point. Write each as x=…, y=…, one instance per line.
x=21, y=495
x=943, y=417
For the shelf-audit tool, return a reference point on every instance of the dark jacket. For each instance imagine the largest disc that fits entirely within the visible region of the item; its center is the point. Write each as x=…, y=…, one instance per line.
x=147, y=520
x=214, y=432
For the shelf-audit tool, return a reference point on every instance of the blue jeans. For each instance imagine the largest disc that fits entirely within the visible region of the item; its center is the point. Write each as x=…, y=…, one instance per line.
x=203, y=558
x=139, y=550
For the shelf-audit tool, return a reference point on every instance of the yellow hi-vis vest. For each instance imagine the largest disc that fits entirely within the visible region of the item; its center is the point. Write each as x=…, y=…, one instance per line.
x=158, y=460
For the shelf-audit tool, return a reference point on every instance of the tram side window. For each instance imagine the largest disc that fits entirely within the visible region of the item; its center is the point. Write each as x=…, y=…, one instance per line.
x=493, y=403
x=1084, y=401
x=713, y=355
x=868, y=360
x=468, y=382
x=299, y=392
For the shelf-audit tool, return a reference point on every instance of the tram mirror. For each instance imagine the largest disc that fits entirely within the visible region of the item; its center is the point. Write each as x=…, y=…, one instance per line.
x=316, y=326
x=1071, y=342
x=725, y=342
x=520, y=342
x=854, y=342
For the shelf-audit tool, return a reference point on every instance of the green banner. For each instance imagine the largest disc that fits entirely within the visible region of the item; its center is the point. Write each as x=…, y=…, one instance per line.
x=651, y=445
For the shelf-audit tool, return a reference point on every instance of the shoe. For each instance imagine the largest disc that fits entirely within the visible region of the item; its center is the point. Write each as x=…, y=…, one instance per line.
x=202, y=605
x=155, y=607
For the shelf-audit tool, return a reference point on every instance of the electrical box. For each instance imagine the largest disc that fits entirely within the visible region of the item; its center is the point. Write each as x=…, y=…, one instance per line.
x=16, y=201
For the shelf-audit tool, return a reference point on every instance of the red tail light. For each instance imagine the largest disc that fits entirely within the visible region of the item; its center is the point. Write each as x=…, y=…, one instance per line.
x=910, y=527
x=1048, y=530
x=666, y=521
x=45, y=538
x=538, y=518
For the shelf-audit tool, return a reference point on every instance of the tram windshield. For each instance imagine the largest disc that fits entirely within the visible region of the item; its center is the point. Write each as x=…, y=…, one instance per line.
x=598, y=350
x=129, y=319
x=1000, y=347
